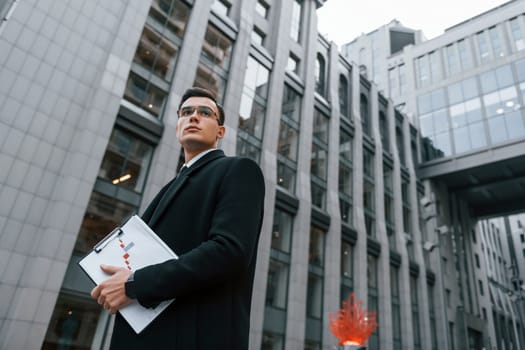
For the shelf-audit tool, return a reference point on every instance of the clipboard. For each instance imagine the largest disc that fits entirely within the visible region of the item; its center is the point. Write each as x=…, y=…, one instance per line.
x=133, y=246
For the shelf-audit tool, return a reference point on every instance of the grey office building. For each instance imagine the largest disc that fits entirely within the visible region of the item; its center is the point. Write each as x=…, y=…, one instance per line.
x=88, y=98
x=465, y=92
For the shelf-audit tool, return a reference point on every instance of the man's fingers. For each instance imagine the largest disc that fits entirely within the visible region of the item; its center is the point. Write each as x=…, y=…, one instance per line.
x=110, y=269
x=95, y=292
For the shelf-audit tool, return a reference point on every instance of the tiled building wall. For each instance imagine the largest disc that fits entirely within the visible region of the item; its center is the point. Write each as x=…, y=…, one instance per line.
x=63, y=66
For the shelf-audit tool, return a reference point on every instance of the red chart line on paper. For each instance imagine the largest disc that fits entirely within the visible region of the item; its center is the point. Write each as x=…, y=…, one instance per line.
x=126, y=255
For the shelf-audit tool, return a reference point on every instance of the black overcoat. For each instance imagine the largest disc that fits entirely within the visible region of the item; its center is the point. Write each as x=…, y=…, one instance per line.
x=211, y=217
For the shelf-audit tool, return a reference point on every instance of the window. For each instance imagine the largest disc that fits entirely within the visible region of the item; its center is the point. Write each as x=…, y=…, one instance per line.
x=346, y=270
x=293, y=64
x=393, y=82
x=483, y=47
x=402, y=79
x=517, y=35
x=126, y=161
x=344, y=96
x=452, y=60
x=258, y=36
x=316, y=247
x=319, y=159
x=383, y=130
x=497, y=47
x=466, y=116
x=156, y=53
x=278, y=275
x=432, y=316
x=169, y=18
x=480, y=284
x=400, y=143
x=314, y=297
x=396, y=308
x=253, y=108
x=288, y=139
x=222, y=7
x=464, y=54
x=296, y=20
x=388, y=182
x=320, y=72
x=505, y=121
x=422, y=71
x=346, y=261
x=345, y=176
x=365, y=116
x=369, y=192
x=214, y=63
x=415, y=312
x=434, y=124
x=373, y=297
x=144, y=94
x=407, y=213
x=74, y=320
x=272, y=341
x=435, y=66
x=262, y=8
x=282, y=231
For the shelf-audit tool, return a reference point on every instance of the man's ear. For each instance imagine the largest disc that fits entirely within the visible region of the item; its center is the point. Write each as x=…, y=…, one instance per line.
x=221, y=132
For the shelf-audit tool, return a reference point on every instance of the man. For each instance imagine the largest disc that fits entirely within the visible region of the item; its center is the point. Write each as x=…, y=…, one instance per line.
x=210, y=215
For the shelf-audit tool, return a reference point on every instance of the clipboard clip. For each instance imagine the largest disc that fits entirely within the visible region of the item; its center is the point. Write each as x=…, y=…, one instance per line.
x=117, y=232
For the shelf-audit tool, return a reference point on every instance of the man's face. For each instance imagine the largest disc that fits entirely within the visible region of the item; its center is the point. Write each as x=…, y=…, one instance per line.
x=198, y=129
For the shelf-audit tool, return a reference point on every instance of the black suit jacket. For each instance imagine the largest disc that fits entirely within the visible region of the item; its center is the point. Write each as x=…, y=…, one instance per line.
x=211, y=217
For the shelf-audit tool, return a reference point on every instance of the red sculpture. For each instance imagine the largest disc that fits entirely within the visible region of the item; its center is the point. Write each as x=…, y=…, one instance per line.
x=353, y=325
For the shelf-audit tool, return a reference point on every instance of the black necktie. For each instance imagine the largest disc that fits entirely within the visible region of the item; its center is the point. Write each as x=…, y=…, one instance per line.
x=183, y=170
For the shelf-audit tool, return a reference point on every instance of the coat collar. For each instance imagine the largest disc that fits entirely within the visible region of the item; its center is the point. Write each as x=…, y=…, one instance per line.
x=176, y=185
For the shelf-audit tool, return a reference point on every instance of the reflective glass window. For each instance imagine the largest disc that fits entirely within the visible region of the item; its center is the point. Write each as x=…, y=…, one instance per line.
x=262, y=8
x=344, y=96
x=295, y=29
x=288, y=141
x=214, y=64
x=517, y=35
x=144, y=94
x=253, y=101
x=126, y=161
x=277, y=284
x=282, y=231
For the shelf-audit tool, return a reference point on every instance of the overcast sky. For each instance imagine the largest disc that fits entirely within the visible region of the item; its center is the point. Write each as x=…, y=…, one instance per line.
x=343, y=20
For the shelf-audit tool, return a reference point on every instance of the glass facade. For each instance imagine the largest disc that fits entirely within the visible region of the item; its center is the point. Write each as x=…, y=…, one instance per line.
x=214, y=63
x=319, y=159
x=347, y=272
x=274, y=327
x=345, y=176
x=296, y=20
x=252, y=111
x=396, y=308
x=369, y=192
x=315, y=286
x=373, y=298
x=388, y=182
x=288, y=139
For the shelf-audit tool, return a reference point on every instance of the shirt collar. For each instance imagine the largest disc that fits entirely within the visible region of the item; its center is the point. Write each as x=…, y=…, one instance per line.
x=197, y=157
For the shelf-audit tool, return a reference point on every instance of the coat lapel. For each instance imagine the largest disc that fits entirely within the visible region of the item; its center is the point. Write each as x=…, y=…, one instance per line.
x=179, y=183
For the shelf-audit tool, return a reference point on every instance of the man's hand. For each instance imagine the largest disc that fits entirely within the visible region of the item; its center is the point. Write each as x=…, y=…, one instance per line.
x=111, y=293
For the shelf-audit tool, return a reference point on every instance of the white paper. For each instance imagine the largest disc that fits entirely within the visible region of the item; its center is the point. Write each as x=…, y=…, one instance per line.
x=134, y=247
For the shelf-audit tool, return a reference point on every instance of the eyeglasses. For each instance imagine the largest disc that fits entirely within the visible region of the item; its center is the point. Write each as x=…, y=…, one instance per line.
x=202, y=111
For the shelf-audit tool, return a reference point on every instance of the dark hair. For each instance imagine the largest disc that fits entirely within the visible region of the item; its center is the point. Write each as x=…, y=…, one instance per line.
x=201, y=92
